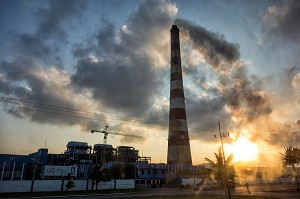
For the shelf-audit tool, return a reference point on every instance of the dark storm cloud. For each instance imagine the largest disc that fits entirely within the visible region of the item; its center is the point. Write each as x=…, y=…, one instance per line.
x=124, y=78
x=283, y=20
x=115, y=65
x=44, y=46
x=32, y=47
x=204, y=112
x=285, y=136
x=119, y=86
x=203, y=116
x=55, y=16
x=240, y=93
x=28, y=77
x=39, y=88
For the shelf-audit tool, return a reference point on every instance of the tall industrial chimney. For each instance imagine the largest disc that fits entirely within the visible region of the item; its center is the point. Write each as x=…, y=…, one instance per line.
x=179, y=152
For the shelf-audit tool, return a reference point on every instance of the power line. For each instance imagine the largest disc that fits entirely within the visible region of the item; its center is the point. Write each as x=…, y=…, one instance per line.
x=75, y=113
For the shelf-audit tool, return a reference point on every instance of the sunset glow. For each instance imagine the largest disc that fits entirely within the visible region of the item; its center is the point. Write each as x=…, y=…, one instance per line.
x=243, y=150
x=67, y=67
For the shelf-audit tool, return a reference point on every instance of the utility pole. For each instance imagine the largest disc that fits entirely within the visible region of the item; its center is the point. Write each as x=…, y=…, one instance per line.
x=225, y=179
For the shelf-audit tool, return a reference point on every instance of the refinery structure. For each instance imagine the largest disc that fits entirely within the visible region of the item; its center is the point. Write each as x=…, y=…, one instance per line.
x=79, y=159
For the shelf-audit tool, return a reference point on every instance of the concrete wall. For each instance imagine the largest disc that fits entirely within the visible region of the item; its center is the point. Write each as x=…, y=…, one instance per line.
x=191, y=181
x=269, y=181
x=55, y=185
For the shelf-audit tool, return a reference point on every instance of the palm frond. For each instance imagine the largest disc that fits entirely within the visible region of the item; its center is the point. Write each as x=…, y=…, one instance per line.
x=229, y=159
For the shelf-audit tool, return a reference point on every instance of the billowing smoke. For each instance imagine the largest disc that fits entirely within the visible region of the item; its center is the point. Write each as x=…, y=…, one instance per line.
x=237, y=98
x=283, y=20
x=216, y=51
x=235, y=87
x=238, y=101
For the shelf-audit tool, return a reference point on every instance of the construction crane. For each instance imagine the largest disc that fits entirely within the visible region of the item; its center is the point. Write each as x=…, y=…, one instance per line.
x=113, y=133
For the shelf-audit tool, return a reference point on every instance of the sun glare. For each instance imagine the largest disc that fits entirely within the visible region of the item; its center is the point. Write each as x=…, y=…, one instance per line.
x=243, y=150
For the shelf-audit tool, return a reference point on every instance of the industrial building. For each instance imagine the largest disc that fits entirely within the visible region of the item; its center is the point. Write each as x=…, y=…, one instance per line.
x=103, y=153
x=14, y=167
x=78, y=159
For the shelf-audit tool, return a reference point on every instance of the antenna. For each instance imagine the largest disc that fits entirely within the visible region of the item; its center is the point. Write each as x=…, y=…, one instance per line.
x=46, y=143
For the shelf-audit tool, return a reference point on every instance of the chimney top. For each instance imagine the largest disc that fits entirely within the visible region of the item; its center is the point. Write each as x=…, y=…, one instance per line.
x=174, y=29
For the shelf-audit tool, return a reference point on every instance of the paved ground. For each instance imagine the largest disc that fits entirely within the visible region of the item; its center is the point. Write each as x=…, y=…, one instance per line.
x=273, y=191
x=284, y=191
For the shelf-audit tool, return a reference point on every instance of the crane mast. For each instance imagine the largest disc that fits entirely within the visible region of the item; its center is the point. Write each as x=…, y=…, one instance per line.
x=105, y=132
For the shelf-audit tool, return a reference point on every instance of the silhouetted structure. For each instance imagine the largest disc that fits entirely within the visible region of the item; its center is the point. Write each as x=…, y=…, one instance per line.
x=104, y=153
x=127, y=154
x=179, y=152
x=77, y=151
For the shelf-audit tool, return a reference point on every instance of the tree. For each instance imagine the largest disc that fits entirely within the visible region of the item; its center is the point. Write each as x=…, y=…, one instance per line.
x=224, y=173
x=290, y=157
x=99, y=175
x=70, y=182
x=122, y=171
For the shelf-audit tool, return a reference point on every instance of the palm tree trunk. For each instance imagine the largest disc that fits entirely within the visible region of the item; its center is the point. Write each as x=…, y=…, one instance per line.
x=228, y=189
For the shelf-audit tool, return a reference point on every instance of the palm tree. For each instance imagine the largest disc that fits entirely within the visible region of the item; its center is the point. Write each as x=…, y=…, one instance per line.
x=224, y=173
x=290, y=158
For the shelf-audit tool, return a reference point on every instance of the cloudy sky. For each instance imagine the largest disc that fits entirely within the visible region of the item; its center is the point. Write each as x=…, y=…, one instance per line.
x=67, y=67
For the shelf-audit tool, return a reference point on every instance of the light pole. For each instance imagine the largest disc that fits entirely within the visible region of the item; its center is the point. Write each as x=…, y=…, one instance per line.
x=224, y=162
x=35, y=161
x=134, y=172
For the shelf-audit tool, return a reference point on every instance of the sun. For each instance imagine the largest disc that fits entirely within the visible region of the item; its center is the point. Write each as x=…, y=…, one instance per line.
x=243, y=150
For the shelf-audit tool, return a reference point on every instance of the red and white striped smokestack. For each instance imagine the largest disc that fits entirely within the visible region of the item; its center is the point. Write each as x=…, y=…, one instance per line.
x=179, y=152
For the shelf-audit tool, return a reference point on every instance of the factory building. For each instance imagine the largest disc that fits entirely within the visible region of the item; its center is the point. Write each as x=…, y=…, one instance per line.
x=14, y=167
x=127, y=154
x=103, y=153
x=78, y=160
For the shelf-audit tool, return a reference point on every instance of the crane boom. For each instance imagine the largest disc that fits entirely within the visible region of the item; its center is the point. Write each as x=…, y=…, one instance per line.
x=129, y=135
x=113, y=133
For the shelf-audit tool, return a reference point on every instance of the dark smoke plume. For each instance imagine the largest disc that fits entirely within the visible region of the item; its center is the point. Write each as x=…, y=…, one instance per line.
x=216, y=50
x=283, y=20
x=237, y=89
x=242, y=96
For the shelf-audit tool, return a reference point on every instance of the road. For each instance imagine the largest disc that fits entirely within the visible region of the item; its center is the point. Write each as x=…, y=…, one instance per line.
x=273, y=191
x=284, y=191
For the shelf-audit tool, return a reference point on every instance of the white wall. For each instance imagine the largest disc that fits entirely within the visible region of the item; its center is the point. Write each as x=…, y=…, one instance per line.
x=191, y=181
x=125, y=184
x=55, y=185
x=15, y=186
x=45, y=185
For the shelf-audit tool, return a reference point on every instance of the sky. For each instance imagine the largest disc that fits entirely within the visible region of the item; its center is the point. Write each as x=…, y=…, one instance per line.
x=67, y=67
